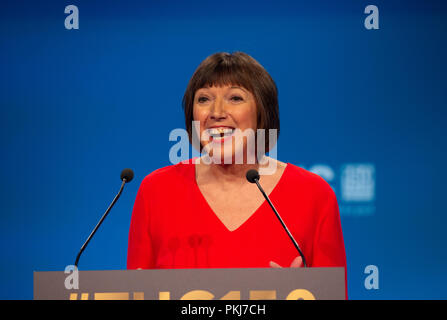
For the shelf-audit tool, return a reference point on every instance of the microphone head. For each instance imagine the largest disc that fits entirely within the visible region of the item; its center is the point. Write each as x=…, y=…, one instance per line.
x=252, y=175
x=127, y=174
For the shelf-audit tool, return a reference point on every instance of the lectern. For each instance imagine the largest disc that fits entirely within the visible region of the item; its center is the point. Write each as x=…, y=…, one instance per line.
x=192, y=284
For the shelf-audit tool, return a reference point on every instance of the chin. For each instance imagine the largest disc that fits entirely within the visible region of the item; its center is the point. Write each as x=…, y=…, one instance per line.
x=228, y=154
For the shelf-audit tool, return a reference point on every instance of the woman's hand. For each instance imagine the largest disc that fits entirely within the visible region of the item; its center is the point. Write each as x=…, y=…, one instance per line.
x=296, y=263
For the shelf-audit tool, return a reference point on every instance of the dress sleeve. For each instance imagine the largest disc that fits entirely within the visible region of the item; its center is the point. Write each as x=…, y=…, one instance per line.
x=139, y=251
x=329, y=248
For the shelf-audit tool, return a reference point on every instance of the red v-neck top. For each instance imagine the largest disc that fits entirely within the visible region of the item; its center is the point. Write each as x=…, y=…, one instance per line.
x=173, y=226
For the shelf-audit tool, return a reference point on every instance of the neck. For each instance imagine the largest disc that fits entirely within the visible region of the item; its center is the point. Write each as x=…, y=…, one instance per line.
x=226, y=173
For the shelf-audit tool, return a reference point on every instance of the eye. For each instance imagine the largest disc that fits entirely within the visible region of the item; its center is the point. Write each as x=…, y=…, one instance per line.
x=202, y=99
x=237, y=98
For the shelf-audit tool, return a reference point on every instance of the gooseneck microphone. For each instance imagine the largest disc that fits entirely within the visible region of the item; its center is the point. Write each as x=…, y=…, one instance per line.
x=126, y=176
x=253, y=177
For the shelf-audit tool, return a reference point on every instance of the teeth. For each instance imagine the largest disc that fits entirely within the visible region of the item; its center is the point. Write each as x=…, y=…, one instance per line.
x=220, y=131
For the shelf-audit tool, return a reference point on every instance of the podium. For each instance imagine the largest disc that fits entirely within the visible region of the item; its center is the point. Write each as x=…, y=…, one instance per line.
x=192, y=284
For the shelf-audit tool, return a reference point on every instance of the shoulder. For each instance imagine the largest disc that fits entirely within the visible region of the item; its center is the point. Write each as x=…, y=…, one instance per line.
x=168, y=175
x=309, y=181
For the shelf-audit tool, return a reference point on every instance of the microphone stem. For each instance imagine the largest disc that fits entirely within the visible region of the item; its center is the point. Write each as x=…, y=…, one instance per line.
x=99, y=223
x=282, y=222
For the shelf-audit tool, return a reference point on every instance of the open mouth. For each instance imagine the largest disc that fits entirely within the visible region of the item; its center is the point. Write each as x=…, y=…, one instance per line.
x=220, y=132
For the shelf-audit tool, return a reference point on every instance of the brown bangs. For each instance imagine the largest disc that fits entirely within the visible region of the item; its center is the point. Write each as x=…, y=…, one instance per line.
x=221, y=73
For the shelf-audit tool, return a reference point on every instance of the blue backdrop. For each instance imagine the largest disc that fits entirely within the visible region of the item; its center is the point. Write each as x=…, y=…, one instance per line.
x=366, y=109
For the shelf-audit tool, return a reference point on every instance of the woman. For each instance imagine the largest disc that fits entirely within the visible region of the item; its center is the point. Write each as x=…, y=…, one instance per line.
x=204, y=213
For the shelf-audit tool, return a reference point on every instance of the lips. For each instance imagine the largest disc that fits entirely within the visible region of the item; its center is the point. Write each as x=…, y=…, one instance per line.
x=220, y=132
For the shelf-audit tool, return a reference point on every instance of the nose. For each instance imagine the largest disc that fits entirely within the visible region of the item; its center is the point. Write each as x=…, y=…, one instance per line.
x=218, y=111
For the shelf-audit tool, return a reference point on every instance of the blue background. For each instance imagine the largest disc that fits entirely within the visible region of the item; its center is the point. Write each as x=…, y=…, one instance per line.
x=78, y=106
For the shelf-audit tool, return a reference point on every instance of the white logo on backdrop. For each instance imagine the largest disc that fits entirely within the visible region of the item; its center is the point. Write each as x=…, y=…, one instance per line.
x=354, y=186
x=357, y=182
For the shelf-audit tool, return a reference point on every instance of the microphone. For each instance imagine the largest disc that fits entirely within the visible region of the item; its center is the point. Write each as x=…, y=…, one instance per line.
x=126, y=176
x=253, y=177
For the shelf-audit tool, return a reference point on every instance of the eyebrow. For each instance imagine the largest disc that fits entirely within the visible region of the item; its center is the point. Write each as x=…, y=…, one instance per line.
x=236, y=87
x=232, y=87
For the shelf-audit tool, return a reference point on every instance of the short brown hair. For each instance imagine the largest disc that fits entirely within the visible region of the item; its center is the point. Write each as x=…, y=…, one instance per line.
x=236, y=68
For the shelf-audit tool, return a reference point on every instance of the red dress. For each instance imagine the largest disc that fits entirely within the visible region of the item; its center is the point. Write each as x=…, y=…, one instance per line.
x=173, y=226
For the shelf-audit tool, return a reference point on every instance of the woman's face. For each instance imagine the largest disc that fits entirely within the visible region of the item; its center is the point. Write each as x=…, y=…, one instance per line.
x=227, y=117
